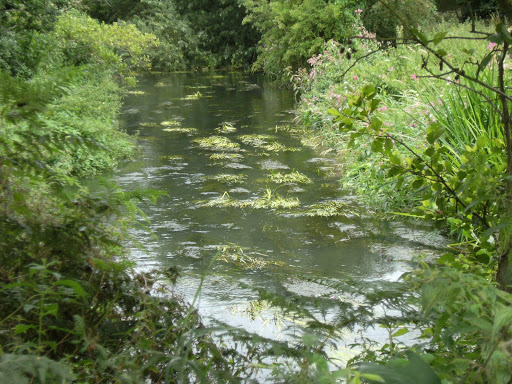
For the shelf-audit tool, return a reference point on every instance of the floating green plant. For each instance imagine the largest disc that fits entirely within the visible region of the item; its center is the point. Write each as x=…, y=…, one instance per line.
x=244, y=257
x=293, y=177
x=170, y=123
x=225, y=156
x=194, y=96
x=225, y=128
x=217, y=142
x=147, y=125
x=181, y=130
x=270, y=200
x=172, y=157
x=160, y=84
x=229, y=179
x=278, y=147
x=136, y=93
x=198, y=86
x=286, y=128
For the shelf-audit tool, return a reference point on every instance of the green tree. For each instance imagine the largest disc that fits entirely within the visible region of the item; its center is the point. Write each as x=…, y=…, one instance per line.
x=224, y=40
x=293, y=31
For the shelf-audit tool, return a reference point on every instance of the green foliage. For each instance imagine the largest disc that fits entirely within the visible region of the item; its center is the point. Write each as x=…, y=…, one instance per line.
x=224, y=40
x=178, y=42
x=23, y=25
x=81, y=40
x=293, y=31
x=386, y=17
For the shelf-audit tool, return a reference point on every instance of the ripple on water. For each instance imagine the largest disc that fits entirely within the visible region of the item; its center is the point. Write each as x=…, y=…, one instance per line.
x=272, y=164
x=237, y=166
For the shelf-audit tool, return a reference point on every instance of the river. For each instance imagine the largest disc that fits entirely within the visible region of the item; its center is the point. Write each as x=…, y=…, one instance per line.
x=242, y=187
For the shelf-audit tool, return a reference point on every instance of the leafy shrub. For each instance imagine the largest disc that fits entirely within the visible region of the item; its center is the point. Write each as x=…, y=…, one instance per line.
x=293, y=31
x=385, y=18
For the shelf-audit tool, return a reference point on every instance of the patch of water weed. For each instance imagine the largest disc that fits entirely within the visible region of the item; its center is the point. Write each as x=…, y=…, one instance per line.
x=136, y=93
x=170, y=123
x=172, y=157
x=278, y=147
x=270, y=200
x=328, y=209
x=293, y=177
x=161, y=84
x=264, y=310
x=286, y=128
x=228, y=178
x=216, y=143
x=198, y=86
x=225, y=156
x=148, y=125
x=189, y=131
x=194, y=96
x=225, y=128
x=244, y=258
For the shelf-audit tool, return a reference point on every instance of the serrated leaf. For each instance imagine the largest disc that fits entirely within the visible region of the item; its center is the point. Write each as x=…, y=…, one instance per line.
x=22, y=328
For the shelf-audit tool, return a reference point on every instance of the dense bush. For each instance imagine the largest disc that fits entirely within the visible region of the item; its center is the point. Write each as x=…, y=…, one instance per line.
x=293, y=31
x=386, y=18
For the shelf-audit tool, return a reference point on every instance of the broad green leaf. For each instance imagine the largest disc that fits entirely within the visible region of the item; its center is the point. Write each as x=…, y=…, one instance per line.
x=400, y=332
x=22, y=328
x=333, y=112
x=421, y=36
x=418, y=183
x=79, y=291
x=438, y=37
x=442, y=52
x=51, y=309
x=375, y=125
x=485, y=61
x=504, y=33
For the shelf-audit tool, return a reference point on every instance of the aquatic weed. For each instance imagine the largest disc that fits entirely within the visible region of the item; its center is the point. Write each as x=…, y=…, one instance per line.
x=229, y=179
x=217, y=142
x=243, y=257
x=181, y=130
x=170, y=123
x=225, y=156
x=293, y=177
x=225, y=128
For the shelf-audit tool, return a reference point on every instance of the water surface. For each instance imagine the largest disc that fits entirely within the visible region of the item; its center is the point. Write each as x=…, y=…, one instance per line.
x=241, y=186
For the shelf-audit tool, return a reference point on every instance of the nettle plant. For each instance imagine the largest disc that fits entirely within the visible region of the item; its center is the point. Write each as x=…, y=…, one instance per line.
x=465, y=179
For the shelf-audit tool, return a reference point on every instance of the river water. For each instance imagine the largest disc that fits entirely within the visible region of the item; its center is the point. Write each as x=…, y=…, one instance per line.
x=243, y=188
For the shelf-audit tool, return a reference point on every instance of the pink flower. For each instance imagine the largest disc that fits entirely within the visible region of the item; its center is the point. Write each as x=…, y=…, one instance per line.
x=359, y=10
x=491, y=46
x=413, y=77
x=355, y=78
